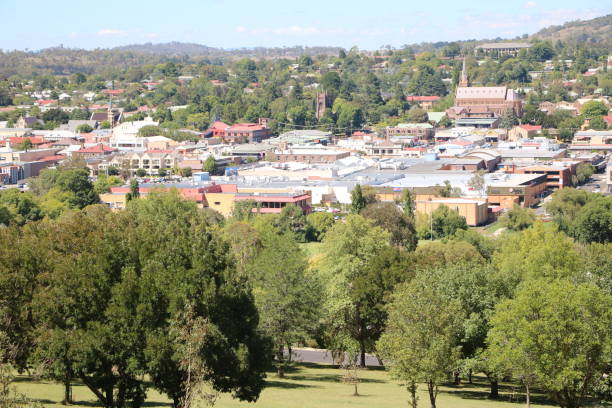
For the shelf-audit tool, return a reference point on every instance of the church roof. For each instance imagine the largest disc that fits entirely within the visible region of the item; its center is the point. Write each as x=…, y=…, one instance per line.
x=482, y=92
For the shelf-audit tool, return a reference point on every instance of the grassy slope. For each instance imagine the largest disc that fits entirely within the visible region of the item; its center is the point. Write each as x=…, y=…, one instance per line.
x=310, y=385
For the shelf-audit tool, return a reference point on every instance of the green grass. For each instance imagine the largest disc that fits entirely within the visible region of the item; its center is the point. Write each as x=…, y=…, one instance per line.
x=311, y=385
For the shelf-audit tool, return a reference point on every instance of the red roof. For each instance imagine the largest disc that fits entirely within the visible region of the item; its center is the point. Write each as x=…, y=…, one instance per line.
x=531, y=127
x=46, y=101
x=36, y=140
x=95, y=149
x=54, y=157
x=245, y=127
x=113, y=91
x=218, y=125
x=431, y=98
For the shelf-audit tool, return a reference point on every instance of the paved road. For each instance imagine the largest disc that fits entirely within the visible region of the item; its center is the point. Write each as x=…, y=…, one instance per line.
x=309, y=355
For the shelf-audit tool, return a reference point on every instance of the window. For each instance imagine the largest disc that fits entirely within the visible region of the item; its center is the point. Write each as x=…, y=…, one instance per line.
x=217, y=202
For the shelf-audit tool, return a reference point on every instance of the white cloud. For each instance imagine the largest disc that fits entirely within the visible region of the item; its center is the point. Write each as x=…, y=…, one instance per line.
x=111, y=32
x=530, y=4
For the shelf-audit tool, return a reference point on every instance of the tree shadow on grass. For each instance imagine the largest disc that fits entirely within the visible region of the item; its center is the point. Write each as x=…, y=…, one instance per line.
x=507, y=395
x=287, y=384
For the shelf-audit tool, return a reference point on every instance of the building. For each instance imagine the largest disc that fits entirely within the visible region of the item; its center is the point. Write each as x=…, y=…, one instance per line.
x=499, y=49
x=475, y=212
x=426, y=102
x=303, y=137
x=273, y=203
x=308, y=155
x=506, y=190
x=246, y=133
x=558, y=174
x=592, y=140
x=524, y=132
x=150, y=161
x=479, y=102
x=422, y=131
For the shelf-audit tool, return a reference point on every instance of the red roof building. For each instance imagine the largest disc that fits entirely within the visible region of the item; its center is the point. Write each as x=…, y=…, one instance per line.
x=246, y=132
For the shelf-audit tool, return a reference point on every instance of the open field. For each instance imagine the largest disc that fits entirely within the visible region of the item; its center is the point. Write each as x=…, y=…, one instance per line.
x=312, y=385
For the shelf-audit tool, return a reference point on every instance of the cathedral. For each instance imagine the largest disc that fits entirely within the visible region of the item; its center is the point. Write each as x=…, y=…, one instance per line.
x=483, y=101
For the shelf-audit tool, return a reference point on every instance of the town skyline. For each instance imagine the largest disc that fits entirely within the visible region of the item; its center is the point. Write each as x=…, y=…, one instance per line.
x=367, y=26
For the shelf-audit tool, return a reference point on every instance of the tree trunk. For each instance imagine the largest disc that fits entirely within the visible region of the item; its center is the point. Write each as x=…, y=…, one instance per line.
x=355, y=393
x=457, y=379
x=432, y=393
x=362, y=356
x=494, y=393
x=412, y=389
x=280, y=372
x=527, y=396
x=470, y=376
x=67, y=393
x=289, y=357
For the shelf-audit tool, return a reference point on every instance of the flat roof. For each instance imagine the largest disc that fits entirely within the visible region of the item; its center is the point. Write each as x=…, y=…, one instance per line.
x=497, y=45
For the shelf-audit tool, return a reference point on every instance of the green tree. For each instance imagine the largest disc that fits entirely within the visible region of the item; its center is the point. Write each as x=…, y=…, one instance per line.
x=517, y=218
x=162, y=172
x=509, y=119
x=320, y=223
x=358, y=201
x=287, y=297
x=537, y=252
x=584, y=171
x=408, y=203
x=418, y=344
x=25, y=145
x=565, y=205
x=594, y=221
x=352, y=323
x=104, y=183
x=416, y=115
x=210, y=165
x=593, y=109
x=140, y=172
x=20, y=207
x=84, y=128
x=293, y=220
x=134, y=190
x=149, y=130
x=442, y=222
x=389, y=217
x=555, y=334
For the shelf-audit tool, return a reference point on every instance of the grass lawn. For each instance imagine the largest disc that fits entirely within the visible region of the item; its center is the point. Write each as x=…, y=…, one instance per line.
x=312, y=385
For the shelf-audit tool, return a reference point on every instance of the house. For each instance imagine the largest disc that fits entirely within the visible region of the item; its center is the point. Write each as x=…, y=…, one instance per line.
x=94, y=151
x=523, y=132
x=425, y=102
x=27, y=122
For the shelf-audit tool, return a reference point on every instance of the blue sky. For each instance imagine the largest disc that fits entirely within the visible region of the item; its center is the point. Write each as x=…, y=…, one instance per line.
x=37, y=24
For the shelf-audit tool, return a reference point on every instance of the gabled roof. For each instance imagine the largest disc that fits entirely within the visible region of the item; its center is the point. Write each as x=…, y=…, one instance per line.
x=482, y=92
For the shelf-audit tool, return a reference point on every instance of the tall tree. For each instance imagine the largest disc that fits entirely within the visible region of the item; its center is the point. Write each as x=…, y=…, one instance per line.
x=418, y=344
x=555, y=334
x=287, y=297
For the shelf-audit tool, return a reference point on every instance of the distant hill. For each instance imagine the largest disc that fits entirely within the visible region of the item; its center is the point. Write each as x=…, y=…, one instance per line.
x=595, y=31
x=180, y=49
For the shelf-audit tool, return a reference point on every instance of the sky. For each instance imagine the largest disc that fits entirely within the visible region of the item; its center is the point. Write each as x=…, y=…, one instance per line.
x=371, y=24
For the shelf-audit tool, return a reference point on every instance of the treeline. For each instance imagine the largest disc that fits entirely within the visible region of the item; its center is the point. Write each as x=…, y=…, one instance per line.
x=106, y=298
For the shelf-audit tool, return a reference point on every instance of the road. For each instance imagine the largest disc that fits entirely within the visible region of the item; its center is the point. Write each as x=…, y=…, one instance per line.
x=320, y=356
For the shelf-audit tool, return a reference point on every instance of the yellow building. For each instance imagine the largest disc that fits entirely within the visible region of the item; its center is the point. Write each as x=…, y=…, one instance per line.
x=474, y=211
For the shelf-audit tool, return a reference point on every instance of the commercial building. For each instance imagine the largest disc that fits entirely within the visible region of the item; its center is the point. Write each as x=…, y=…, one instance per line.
x=501, y=48
x=475, y=212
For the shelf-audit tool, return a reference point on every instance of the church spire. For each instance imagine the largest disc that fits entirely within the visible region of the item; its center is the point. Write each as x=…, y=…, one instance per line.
x=463, y=82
